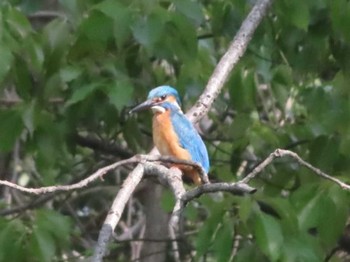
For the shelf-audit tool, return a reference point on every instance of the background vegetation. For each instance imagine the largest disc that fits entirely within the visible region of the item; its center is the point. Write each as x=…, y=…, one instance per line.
x=71, y=69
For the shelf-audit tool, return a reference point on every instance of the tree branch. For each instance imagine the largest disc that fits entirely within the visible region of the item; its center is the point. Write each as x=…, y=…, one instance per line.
x=100, y=172
x=226, y=64
x=278, y=153
x=96, y=144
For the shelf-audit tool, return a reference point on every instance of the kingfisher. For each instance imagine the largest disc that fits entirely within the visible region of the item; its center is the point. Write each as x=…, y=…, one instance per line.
x=173, y=133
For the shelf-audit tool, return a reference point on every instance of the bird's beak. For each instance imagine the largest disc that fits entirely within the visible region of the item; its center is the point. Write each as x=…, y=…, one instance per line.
x=143, y=106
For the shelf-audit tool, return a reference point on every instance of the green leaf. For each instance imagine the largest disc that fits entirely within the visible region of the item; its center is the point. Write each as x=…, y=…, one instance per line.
x=120, y=93
x=206, y=232
x=42, y=245
x=12, y=240
x=11, y=127
x=49, y=221
x=97, y=27
x=28, y=116
x=268, y=234
x=181, y=37
x=148, y=30
x=223, y=242
x=23, y=78
x=69, y=73
x=299, y=248
x=81, y=93
x=36, y=54
x=245, y=208
x=249, y=252
x=121, y=16
x=6, y=61
x=340, y=16
x=18, y=24
x=333, y=212
x=190, y=9
x=295, y=12
x=306, y=201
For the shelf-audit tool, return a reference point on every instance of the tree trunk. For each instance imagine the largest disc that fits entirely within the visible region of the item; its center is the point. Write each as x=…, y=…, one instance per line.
x=156, y=224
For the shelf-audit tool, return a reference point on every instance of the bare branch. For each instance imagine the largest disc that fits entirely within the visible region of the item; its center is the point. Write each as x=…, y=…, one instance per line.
x=226, y=64
x=278, y=153
x=99, y=145
x=83, y=183
x=99, y=174
x=235, y=188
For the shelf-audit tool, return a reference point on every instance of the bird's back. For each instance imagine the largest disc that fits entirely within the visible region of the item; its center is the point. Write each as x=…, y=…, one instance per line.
x=189, y=139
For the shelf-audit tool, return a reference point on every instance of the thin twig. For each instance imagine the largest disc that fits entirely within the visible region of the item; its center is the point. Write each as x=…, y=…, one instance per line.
x=278, y=153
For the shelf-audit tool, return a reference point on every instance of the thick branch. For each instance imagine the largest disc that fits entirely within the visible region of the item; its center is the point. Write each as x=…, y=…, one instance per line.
x=96, y=144
x=229, y=60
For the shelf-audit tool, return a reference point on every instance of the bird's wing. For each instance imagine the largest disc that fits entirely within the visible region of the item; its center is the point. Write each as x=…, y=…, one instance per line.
x=189, y=139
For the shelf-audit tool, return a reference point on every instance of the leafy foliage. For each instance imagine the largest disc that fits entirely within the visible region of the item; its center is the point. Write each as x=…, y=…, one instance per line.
x=67, y=79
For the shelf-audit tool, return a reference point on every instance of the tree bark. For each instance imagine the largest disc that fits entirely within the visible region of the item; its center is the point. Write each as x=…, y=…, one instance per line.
x=156, y=224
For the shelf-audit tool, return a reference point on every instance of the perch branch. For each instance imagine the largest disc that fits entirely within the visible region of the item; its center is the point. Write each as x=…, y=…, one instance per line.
x=99, y=174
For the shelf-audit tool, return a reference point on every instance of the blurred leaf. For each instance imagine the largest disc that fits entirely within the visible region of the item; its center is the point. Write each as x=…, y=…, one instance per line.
x=97, y=27
x=6, y=61
x=49, y=221
x=268, y=236
x=323, y=152
x=148, y=30
x=23, y=79
x=121, y=16
x=223, y=243
x=333, y=212
x=181, y=37
x=340, y=15
x=17, y=23
x=11, y=127
x=69, y=73
x=299, y=249
x=28, y=117
x=42, y=245
x=245, y=208
x=81, y=93
x=12, y=241
x=190, y=9
x=295, y=12
x=204, y=239
x=36, y=54
x=250, y=253
x=119, y=93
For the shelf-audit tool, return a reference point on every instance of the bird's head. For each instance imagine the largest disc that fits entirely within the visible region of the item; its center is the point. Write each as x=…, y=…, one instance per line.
x=159, y=100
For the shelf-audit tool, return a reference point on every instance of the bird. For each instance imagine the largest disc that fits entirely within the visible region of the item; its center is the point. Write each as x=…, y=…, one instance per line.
x=173, y=133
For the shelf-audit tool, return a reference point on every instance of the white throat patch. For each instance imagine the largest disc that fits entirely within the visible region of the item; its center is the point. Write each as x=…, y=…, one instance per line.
x=158, y=109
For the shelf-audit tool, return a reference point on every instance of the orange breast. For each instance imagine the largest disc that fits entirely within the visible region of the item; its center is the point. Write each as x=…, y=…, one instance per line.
x=167, y=143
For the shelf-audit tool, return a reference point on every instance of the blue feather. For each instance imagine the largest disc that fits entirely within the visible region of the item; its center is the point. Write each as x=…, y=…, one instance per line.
x=189, y=138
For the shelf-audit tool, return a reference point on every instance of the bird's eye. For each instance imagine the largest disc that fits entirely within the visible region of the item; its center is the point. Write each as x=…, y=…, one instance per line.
x=163, y=97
